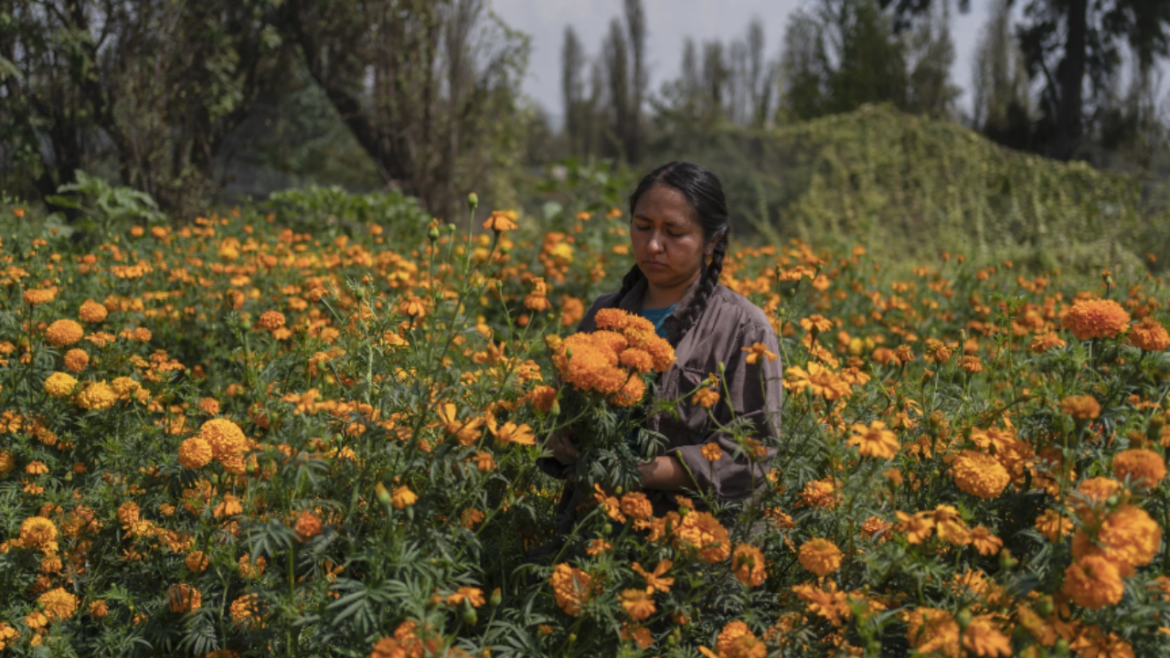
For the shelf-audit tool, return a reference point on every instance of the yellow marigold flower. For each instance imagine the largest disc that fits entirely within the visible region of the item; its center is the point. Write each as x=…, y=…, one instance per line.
x=307, y=526
x=748, y=564
x=706, y=397
x=756, y=351
x=36, y=468
x=874, y=441
x=932, y=632
x=822, y=381
x=820, y=494
x=637, y=603
x=979, y=474
x=38, y=532
x=1047, y=341
x=195, y=453
x=1149, y=335
x=402, y=497
x=182, y=598
x=1096, y=318
x=96, y=396
x=58, y=604
x=572, y=587
x=225, y=438
x=1093, y=582
x=8, y=634
x=820, y=556
x=655, y=580
x=1081, y=407
x=229, y=506
x=92, y=311
x=36, y=297
x=501, y=220
x=704, y=533
x=271, y=320
x=636, y=506
x=917, y=527
x=60, y=384
x=983, y=637
x=64, y=332
x=1146, y=468
x=76, y=360
x=412, y=307
x=124, y=386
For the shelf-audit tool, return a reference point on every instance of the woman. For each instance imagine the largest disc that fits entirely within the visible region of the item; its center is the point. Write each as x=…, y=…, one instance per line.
x=679, y=220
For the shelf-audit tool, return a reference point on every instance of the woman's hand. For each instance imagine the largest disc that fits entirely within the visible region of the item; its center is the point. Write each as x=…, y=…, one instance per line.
x=562, y=448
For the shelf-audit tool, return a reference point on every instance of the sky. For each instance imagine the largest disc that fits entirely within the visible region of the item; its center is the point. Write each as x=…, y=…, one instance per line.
x=668, y=23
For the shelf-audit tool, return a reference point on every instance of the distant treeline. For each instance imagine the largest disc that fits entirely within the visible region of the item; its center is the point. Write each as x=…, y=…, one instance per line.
x=186, y=100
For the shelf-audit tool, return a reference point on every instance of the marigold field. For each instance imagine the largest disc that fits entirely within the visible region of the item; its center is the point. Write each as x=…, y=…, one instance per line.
x=274, y=431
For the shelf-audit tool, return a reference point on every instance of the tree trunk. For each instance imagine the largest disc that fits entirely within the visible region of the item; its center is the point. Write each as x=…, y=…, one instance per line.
x=1069, y=130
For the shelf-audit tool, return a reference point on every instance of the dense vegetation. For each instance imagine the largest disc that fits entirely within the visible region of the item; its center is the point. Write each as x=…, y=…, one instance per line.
x=309, y=427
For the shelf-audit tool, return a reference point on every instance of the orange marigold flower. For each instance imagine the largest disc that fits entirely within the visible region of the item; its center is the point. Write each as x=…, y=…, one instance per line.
x=513, y=433
x=1093, y=582
x=706, y=397
x=711, y=451
x=472, y=595
x=932, y=632
x=36, y=297
x=402, y=497
x=196, y=562
x=195, y=453
x=307, y=526
x=96, y=396
x=76, y=360
x=820, y=556
x=1096, y=318
x=1047, y=341
x=703, y=532
x=542, y=398
x=572, y=587
x=92, y=311
x=182, y=598
x=36, y=468
x=98, y=608
x=636, y=506
x=225, y=438
x=756, y=351
x=38, y=532
x=245, y=611
x=637, y=603
x=636, y=359
x=64, y=332
x=230, y=506
x=1053, y=525
x=1149, y=335
x=271, y=320
x=1081, y=407
x=572, y=310
x=1145, y=468
x=917, y=527
x=58, y=604
x=630, y=394
x=60, y=384
x=598, y=546
x=1128, y=538
x=501, y=220
x=655, y=580
x=874, y=441
x=983, y=637
x=985, y=542
x=7, y=462
x=979, y=474
x=748, y=564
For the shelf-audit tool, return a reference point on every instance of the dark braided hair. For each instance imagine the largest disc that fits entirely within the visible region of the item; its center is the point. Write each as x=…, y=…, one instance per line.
x=704, y=192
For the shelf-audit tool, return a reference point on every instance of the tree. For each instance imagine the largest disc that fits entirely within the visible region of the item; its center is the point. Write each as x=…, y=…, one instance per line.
x=428, y=87
x=1000, y=107
x=156, y=86
x=573, y=89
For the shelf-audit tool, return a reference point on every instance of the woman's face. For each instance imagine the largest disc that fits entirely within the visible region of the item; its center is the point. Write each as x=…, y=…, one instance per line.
x=667, y=238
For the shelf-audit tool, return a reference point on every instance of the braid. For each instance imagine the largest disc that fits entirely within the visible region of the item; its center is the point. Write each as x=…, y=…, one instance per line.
x=630, y=280
x=707, y=283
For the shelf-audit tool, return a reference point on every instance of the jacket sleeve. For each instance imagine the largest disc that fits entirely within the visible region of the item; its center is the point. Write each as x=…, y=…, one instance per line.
x=755, y=392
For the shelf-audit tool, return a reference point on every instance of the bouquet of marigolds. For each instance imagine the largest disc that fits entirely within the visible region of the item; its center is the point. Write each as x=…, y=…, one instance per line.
x=608, y=373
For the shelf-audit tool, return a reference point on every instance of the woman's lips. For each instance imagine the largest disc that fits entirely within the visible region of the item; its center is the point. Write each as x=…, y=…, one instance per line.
x=654, y=265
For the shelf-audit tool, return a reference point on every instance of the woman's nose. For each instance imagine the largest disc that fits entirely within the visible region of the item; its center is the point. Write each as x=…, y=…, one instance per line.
x=654, y=244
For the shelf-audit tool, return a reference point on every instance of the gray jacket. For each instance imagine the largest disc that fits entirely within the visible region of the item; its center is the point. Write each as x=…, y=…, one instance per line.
x=728, y=324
